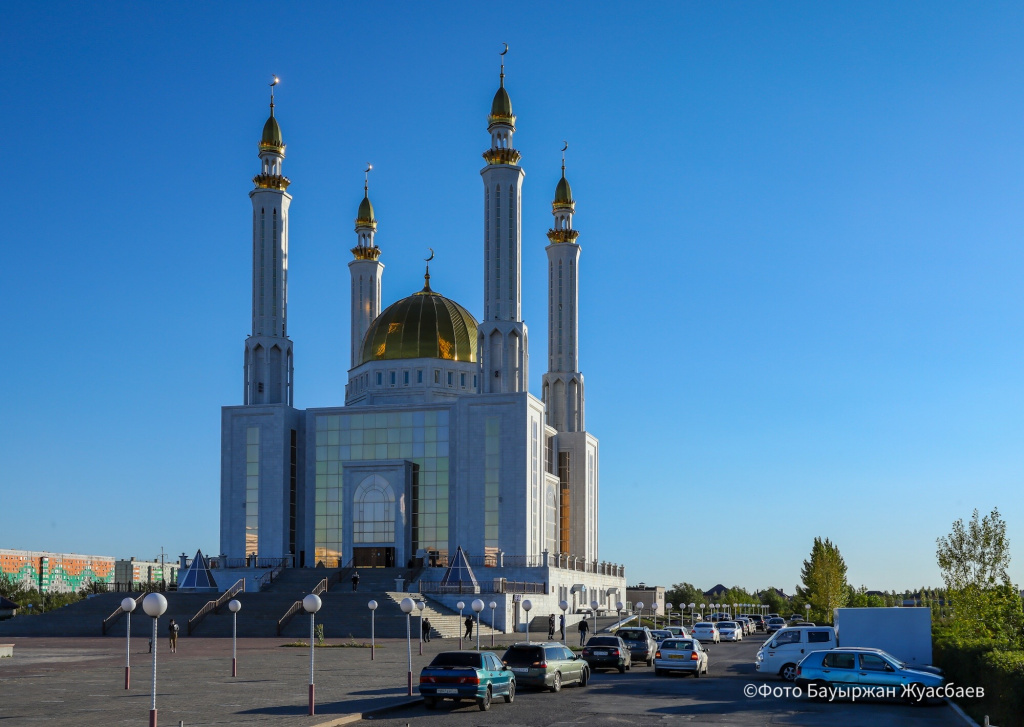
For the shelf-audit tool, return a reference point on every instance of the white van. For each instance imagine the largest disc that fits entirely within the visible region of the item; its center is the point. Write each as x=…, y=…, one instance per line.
x=783, y=651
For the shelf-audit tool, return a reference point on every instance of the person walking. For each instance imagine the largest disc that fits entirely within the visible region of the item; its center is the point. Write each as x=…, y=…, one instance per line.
x=561, y=625
x=172, y=632
x=584, y=628
x=469, y=627
x=551, y=627
x=355, y=581
x=426, y=629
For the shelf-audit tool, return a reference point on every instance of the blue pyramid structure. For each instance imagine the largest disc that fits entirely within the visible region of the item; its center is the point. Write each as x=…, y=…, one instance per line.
x=198, y=578
x=459, y=577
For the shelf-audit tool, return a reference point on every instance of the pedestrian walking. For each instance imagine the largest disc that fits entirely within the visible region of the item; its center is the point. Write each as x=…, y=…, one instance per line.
x=355, y=581
x=551, y=627
x=584, y=628
x=469, y=627
x=172, y=632
x=426, y=629
x=561, y=625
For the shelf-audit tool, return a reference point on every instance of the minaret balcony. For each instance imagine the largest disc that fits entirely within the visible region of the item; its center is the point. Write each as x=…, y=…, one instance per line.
x=271, y=181
x=502, y=156
x=366, y=253
x=563, y=235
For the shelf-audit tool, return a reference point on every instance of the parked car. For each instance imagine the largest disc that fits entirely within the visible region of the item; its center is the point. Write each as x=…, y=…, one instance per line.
x=640, y=642
x=466, y=675
x=748, y=625
x=806, y=623
x=775, y=624
x=864, y=667
x=772, y=615
x=782, y=652
x=759, y=621
x=730, y=631
x=681, y=655
x=706, y=632
x=548, y=665
x=661, y=634
x=607, y=652
x=678, y=631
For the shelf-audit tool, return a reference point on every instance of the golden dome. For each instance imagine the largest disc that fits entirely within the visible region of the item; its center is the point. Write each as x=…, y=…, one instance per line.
x=365, y=214
x=424, y=325
x=272, y=138
x=563, y=192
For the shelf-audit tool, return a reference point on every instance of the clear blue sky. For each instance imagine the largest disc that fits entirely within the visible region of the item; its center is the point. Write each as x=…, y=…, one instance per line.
x=801, y=300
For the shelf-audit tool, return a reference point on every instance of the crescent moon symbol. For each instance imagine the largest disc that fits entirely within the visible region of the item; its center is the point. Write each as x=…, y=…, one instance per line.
x=428, y=259
x=504, y=51
x=565, y=145
x=275, y=81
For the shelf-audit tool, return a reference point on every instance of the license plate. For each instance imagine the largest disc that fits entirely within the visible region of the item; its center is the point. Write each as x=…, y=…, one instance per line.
x=600, y=652
x=447, y=691
x=676, y=656
x=520, y=670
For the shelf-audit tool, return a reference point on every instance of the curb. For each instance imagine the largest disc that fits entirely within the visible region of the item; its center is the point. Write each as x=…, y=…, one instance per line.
x=960, y=713
x=369, y=714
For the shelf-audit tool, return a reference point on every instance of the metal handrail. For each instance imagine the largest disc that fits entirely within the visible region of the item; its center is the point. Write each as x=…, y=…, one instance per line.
x=112, y=618
x=292, y=610
x=215, y=606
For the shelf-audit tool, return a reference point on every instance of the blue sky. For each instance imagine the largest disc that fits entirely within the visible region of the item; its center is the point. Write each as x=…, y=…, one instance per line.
x=801, y=309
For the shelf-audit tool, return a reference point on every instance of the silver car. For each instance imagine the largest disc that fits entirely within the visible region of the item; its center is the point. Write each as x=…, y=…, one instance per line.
x=730, y=631
x=706, y=632
x=681, y=655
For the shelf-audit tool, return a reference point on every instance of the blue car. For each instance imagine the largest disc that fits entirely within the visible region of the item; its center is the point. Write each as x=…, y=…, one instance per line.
x=873, y=671
x=459, y=675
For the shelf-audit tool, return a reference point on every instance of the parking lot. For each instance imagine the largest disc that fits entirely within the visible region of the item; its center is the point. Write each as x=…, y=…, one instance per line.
x=640, y=698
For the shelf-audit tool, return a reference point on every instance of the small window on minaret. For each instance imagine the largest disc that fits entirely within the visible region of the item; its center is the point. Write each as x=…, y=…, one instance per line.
x=380, y=378
x=406, y=378
x=419, y=376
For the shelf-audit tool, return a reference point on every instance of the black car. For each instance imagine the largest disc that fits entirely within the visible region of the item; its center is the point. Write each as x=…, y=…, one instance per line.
x=607, y=652
x=640, y=642
x=758, y=620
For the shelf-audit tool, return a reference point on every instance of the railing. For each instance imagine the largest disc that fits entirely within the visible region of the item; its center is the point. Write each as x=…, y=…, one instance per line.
x=215, y=606
x=502, y=585
x=113, y=618
x=131, y=586
x=319, y=588
x=251, y=561
x=267, y=578
x=497, y=585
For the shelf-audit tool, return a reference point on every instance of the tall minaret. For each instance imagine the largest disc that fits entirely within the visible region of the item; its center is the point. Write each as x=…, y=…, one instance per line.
x=268, y=351
x=503, y=338
x=366, y=272
x=563, y=383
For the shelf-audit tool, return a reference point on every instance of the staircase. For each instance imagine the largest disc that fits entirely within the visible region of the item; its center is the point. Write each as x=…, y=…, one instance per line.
x=445, y=623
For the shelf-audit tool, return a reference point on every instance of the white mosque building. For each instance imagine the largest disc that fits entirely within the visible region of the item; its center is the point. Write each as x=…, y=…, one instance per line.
x=439, y=443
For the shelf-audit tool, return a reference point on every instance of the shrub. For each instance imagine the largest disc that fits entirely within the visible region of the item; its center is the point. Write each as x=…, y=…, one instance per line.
x=984, y=662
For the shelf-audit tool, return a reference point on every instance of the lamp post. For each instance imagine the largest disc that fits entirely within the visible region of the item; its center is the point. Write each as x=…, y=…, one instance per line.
x=807, y=607
x=702, y=607
x=234, y=605
x=593, y=609
x=407, y=606
x=618, y=608
x=128, y=605
x=492, y=606
x=654, y=614
x=640, y=612
x=154, y=605
x=372, y=605
x=668, y=615
x=693, y=617
x=311, y=604
x=733, y=614
x=527, y=605
x=420, y=605
x=564, y=605
x=478, y=606
x=462, y=631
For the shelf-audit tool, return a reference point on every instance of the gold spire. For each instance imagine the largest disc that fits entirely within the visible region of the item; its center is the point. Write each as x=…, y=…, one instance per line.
x=365, y=217
x=426, y=284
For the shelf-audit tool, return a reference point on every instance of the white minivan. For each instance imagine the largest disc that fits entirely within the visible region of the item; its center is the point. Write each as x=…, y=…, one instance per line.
x=783, y=651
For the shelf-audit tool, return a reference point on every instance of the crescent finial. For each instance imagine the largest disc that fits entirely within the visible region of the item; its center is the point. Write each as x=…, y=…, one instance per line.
x=506, y=49
x=565, y=145
x=428, y=259
x=275, y=81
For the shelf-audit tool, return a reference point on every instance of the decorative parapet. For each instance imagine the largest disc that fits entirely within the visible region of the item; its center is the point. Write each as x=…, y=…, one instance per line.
x=563, y=235
x=271, y=181
x=366, y=253
x=502, y=156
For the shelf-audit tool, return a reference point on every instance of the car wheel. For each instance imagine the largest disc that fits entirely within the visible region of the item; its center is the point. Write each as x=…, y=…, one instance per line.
x=511, y=693
x=556, y=683
x=485, y=702
x=584, y=677
x=622, y=668
x=429, y=702
x=788, y=672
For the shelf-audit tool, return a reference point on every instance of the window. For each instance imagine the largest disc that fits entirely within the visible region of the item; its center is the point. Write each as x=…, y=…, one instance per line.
x=374, y=518
x=819, y=637
x=839, y=660
x=392, y=378
x=380, y=378
x=437, y=376
x=462, y=380
x=474, y=381
x=872, y=662
x=419, y=376
x=451, y=378
x=787, y=637
x=252, y=489
x=406, y=378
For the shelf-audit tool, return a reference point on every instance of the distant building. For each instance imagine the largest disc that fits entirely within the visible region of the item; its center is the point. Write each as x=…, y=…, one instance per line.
x=127, y=572
x=56, y=572
x=642, y=593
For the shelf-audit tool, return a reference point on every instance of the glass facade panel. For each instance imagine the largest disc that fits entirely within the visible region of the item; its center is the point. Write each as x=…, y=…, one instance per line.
x=252, y=489
x=492, y=482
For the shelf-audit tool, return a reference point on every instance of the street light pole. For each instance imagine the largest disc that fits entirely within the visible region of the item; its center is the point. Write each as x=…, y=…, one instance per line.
x=493, y=606
x=420, y=605
x=593, y=607
x=478, y=606
x=527, y=605
x=407, y=606
x=154, y=605
x=128, y=605
x=565, y=605
x=462, y=630
x=640, y=613
x=311, y=604
x=234, y=605
x=373, y=641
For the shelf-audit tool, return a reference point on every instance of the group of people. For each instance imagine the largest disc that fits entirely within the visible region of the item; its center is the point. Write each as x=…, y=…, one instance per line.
x=583, y=628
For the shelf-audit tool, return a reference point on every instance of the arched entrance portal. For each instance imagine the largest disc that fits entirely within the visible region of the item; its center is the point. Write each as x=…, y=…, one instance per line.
x=373, y=524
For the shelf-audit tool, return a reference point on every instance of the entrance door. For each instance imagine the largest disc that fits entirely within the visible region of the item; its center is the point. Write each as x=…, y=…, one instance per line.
x=373, y=557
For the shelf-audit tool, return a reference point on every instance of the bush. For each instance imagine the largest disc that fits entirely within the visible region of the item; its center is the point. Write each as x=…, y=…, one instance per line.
x=984, y=662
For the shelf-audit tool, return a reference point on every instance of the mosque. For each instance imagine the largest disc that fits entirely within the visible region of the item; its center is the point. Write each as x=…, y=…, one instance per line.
x=439, y=443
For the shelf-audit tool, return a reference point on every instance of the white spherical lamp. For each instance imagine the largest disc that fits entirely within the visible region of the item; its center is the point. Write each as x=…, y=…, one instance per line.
x=372, y=605
x=154, y=605
x=128, y=605
x=478, y=605
x=234, y=605
x=312, y=603
x=527, y=605
x=407, y=605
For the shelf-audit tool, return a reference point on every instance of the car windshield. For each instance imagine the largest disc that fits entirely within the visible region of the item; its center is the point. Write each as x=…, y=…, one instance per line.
x=603, y=641
x=661, y=634
x=632, y=635
x=677, y=645
x=456, y=658
x=776, y=620
x=523, y=655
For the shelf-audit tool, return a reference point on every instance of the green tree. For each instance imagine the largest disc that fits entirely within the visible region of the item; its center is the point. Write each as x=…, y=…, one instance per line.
x=685, y=593
x=975, y=555
x=824, y=581
x=775, y=602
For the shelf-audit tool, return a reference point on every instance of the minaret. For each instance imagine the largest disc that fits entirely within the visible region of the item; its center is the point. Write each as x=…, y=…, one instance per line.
x=563, y=383
x=504, y=349
x=268, y=351
x=366, y=272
